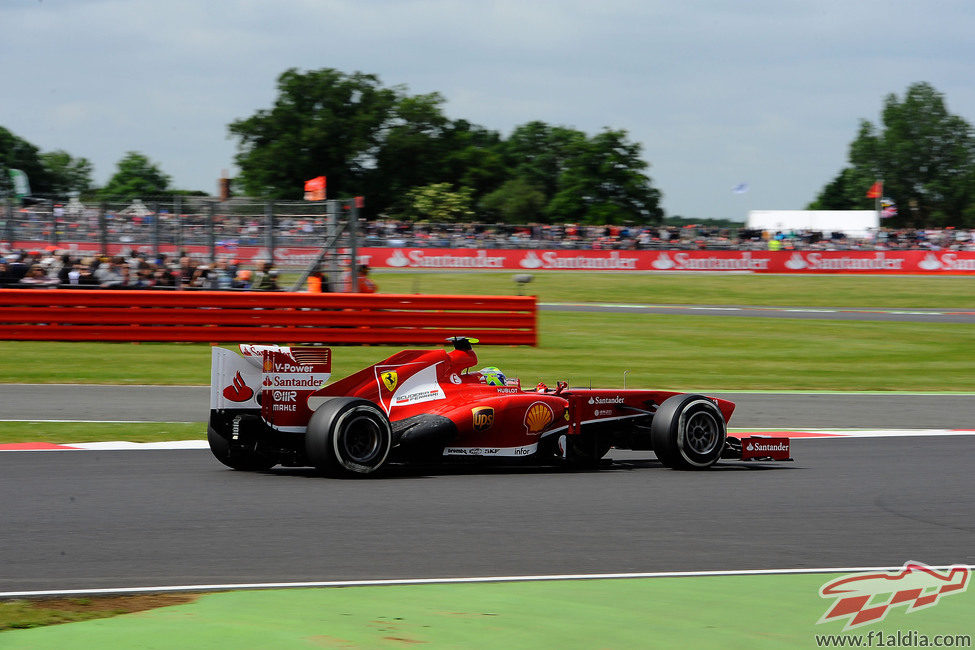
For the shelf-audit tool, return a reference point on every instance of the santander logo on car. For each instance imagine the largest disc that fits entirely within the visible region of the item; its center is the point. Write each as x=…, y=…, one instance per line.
x=238, y=391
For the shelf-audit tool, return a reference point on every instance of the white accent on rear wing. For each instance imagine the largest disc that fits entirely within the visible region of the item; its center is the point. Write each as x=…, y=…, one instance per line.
x=234, y=380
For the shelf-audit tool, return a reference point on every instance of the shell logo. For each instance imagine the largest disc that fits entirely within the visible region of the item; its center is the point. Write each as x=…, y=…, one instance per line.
x=538, y=416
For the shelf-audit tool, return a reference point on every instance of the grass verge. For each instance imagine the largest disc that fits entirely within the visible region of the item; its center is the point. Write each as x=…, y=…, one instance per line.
x=849, y=291
x=660, y=351
x=68, y=432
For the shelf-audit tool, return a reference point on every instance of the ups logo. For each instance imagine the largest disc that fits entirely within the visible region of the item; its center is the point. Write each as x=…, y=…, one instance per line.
x=483, y=418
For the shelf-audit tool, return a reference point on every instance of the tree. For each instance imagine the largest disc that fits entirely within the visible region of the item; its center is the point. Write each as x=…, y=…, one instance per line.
x=924, y=155
x=67, y=174
x=136, y=177
x=603, y=181
x=385, y=143
x=439, y=203
x=323, y=122
x=516, y=201
x=411, y=150
x=17, y=153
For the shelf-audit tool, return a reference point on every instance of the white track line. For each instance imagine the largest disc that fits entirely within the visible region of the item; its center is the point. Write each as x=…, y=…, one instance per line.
x=433, y=581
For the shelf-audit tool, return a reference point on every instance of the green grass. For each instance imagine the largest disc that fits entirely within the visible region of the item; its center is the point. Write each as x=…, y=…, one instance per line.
x=950, y=292
x=695, y=612
x=68, y=432
x=665, y=351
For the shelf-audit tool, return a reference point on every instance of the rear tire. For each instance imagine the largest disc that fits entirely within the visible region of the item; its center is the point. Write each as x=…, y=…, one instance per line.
x=347, y=435
x=688, y=432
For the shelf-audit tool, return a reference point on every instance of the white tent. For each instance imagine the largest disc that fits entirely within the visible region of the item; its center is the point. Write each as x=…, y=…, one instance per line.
x=853, y=223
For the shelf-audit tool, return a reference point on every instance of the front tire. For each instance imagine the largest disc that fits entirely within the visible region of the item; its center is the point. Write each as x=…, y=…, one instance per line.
x=349, y=436
x=688, y=432
x=586, y=450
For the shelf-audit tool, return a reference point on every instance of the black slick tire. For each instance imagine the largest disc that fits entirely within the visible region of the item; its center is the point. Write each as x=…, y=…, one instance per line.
x=688, y=432
x=348, y=436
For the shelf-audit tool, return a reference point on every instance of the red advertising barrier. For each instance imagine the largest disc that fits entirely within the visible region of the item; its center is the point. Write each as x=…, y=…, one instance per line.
x=849, y=261
x=894, y=262
x=219, y=316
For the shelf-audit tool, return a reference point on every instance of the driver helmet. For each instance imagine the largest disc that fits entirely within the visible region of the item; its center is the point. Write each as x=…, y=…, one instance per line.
x=493, y=376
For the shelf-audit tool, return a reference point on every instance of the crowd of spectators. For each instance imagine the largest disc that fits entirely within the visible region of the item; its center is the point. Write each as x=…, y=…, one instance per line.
x=52, y=268
x=292, y=228
x=575, y=236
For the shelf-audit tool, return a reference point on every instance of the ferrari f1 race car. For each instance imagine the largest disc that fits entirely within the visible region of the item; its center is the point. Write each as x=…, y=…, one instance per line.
x=273, y=405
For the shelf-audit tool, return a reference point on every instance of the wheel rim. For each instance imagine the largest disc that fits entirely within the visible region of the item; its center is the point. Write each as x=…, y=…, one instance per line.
x=361, y=440
x=702, y=433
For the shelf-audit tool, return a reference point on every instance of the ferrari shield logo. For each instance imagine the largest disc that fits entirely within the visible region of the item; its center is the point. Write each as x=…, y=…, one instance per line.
x=390, y=379
x=483, y=418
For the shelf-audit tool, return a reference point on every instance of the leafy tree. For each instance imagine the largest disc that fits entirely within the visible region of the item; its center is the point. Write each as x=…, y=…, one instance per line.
x=17, y=153
x=845, y=192
x=603, y=181
x=516, y=201
x=439, y=203
x=323, y=122
x=136, y=177
x=925, y=156
x=384, y=143
x=473, y=157
x=412, y=149
x=67, y=174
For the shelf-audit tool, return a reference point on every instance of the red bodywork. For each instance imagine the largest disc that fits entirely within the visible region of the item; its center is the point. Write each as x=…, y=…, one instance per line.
x=490, y=420
x=437, y=405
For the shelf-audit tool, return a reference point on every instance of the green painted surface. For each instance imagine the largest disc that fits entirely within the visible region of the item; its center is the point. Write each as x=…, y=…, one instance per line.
x=695, y=612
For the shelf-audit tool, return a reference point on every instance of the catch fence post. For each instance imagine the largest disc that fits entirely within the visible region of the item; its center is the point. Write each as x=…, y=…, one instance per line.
x=354, y=246
x=156, y=229
x=211, y=233
x=9, y=227
x=269, y=229
x=102, y=228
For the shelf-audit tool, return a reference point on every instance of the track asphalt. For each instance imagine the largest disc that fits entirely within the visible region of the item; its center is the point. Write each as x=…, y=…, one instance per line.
x=771, y=410
x=154, y=518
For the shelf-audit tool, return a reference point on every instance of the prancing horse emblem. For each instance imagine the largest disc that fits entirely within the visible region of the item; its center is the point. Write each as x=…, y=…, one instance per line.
x=390, y=379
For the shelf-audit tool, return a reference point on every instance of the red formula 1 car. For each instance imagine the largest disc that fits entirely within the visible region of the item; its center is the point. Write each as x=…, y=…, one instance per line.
x=273, y=405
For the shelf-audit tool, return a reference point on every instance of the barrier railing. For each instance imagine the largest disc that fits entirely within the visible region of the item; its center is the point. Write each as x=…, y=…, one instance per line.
x=266, y=317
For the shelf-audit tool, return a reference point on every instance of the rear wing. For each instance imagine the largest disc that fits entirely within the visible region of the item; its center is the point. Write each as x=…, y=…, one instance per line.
x=277, y=380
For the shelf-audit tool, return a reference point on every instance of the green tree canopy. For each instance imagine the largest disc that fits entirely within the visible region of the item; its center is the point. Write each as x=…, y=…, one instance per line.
x=925, y=157
x=323, y=122
x=385, y=143
x=17, y=153
x=516, y=201
x=136, y=177
x=438, y=203
x=67, y=174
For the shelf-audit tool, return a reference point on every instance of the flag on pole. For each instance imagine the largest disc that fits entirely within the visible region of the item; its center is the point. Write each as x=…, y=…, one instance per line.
x=315, y=189
x=887, y=208
x=875, y=190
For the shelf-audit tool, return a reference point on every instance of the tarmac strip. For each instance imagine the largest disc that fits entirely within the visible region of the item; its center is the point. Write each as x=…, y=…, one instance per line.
x=121, y=445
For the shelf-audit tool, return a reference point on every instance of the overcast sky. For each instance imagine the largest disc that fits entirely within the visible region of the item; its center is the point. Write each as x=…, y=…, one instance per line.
x=718, y=92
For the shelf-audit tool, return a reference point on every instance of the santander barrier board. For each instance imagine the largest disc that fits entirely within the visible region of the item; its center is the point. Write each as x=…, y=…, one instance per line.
x=262, y=317
x=914, y=261
x=921, y=262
